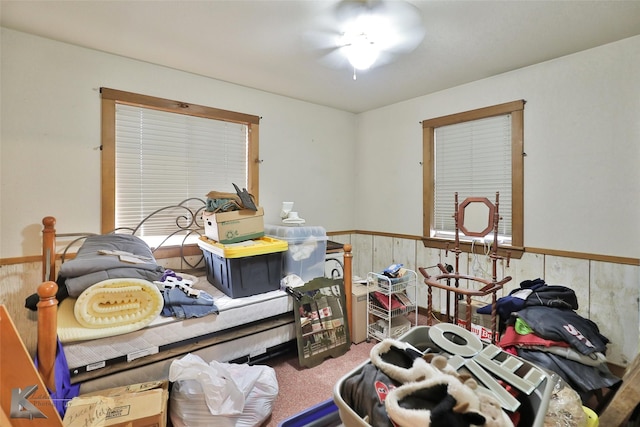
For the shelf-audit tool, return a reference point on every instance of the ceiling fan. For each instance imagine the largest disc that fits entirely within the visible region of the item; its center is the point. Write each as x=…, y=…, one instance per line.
x=366, y=33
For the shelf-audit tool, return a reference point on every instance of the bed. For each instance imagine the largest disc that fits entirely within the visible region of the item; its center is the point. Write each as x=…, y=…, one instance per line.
x=247, y=330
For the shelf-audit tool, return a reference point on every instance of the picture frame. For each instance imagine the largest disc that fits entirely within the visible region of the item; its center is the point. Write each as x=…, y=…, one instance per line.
x=322, y=325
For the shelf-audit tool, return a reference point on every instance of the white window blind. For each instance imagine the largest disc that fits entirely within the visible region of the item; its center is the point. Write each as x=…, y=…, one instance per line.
x=473, y=159
x=164, y=158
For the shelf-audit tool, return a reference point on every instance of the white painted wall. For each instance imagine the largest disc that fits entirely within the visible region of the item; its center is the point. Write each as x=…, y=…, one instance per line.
x=582, y=139
x=50, y=135
x=344, y=171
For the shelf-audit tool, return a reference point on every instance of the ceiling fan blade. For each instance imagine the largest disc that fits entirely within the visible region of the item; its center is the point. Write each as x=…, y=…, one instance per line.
x=407, y=19
x=321, y=38
x=323, y=44
x=334, y=58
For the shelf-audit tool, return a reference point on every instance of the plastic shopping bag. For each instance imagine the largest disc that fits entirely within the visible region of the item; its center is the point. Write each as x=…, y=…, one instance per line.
x=225, y=394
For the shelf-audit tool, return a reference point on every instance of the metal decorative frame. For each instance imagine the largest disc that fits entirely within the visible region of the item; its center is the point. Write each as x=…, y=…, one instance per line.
x=182, y=219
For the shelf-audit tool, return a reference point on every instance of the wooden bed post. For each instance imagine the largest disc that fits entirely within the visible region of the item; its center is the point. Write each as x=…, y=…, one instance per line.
x=348, y=277
x=47, y=333
x=48, y=248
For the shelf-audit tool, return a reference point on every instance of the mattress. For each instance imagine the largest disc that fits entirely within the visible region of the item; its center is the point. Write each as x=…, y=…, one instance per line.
x=241, y=349
x=166, y=337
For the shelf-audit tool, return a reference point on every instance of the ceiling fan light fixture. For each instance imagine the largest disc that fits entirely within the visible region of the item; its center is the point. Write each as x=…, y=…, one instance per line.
x=361, y=52
x=370, y=32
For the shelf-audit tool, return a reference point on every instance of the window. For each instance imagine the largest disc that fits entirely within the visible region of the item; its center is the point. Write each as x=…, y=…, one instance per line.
x=475, y=153
x=157, y=152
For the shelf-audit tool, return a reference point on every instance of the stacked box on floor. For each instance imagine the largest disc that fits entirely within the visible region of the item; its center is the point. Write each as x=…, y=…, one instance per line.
x=307, y=249
x=480, y=323
x=246, y=268
x=135, y=405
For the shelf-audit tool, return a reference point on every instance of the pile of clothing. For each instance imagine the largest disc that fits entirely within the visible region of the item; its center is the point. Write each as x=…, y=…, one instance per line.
x=181, y=299
x=220, y=201
x=538, y=322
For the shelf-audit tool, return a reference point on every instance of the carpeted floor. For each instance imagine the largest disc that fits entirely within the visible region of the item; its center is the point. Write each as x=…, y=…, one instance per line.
x=301, y=388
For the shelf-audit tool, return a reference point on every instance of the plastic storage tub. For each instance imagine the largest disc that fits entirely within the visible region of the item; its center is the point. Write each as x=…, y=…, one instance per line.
x=533, y=407
x=260, y=246
x=241, y=270
x=307, y=249
x=324, y=414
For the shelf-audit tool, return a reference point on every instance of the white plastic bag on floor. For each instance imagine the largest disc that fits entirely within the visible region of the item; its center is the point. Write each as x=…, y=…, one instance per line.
x=222, y=393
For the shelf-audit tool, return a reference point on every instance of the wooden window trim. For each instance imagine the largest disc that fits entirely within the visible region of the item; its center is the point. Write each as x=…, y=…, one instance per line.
x=516, y=109
x=111, y=97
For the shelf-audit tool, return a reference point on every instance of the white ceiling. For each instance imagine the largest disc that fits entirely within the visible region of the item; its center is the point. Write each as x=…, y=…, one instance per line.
x=265, y=44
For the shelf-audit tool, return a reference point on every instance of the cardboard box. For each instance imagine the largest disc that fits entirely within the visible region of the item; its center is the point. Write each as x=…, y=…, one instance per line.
x=137, y=405
x=234, y=226
x=359, y=298
x=480, y=323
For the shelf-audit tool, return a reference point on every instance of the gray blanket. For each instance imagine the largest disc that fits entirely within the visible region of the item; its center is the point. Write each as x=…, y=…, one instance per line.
x=90, y=267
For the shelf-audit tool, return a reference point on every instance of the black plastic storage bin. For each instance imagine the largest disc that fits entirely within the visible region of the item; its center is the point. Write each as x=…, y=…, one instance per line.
x=242, y=277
